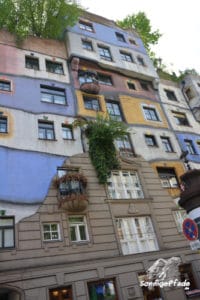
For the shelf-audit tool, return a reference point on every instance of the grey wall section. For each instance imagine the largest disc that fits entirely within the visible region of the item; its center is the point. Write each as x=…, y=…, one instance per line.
x=36, y=266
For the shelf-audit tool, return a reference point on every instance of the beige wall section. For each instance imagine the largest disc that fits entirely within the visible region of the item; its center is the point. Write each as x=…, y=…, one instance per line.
x=47, y=265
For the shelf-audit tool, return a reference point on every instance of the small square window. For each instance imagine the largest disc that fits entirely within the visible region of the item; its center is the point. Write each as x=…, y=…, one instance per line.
x=114, y=110
x=7, y=232
x=3, y=125
x=78, y=229
x=105, y=53
x=133, y=42
x=52, y=95
x=166, y=144
x=131, y=85
x=190, y=147
x=104, y=79
x=124, y=146
x=46, y=130
x=150, y=140
x=126, y=56
x=5, y=85
x=150, y=114
x=31, y=62
x=120, y=37
x=171, y=95
x=144, y=85
x=87, y=45
x=140, y=61
x=54, y=67
x=67, y=132
x=180, y=118
x=86, y=26
x=51, y=232
x=168, y=177
x=190, y=94
x=91, y=103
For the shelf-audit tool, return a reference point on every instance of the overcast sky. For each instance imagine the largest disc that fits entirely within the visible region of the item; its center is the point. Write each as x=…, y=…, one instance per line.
x=177, y=20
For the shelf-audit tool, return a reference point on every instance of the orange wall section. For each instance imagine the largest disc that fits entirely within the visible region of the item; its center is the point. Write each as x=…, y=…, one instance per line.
x=132, y=109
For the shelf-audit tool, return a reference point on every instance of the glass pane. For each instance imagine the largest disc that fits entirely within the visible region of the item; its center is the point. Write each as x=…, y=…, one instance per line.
x=59, y=99
x=47, y=97
x=47, y=236
x=54, y=227
x=46, y=227
x=76, y=219
x=8, y=238
x=54, y=235
x=73, y=233
x=6, y=222
x=82, y=233
x=102, y=290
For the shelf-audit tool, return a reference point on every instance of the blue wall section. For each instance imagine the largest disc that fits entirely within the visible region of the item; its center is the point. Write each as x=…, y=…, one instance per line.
x=194, y=138
x=25, y=177
x=107, y=34
x=27, y=96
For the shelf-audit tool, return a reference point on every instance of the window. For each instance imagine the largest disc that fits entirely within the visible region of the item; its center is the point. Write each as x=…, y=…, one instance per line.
x=67, y=132
x=131, y=85
x=51, y=232
x=198, y=144
x=180, y=119
x=190, y=94
x=190, y=147
x=114, y=110
x=144, y=85
x=124, y=146
x=5, y=85
x=3, y=125
x=179, y=216
x=87, y=45
x=104, y=53
x=91, y=103
x=53, y=95
x=148, y=292
x=136, y=235
x=150, y=140
x=46, y=130
x=32, y=62
x=140, y=61
x=54, y=67
x=166, y=144
x=103, y=289
x=62, y=293
x=133, y=42
x=7, y=235
x=150, y=113
x=168, y=177
x=104, y=79
x=124, y=185
x=126, y=56
x=78, y=229
x=86, y=26
x=120, y=37
x=171, y=95
x=87, y=76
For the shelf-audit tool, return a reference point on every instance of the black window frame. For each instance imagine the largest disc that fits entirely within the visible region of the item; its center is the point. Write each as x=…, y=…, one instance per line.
x=32, y=62
x=53, y=92
x=45, y=126
x=120, y=37
x=118, y=117
x=151, y=114
x=105, y=53
x=141, y=61
x=105, y=79
x=89, y=103
x=87, y=26
x=165, y=175
x=166, y=142
x=70, y=130
x=126, y=56
x=133, y=42
x=5, y=85
x=129, y=84
x=150, y=140
x=144, y=85
x=170, y=95
x=190, y=147
x=3, y=121
x=181, y=118
x=3, y=228
x=87, y=45
x=51, y=67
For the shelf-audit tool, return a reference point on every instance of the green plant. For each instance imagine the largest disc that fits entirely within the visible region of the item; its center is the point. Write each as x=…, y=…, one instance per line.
x=101, y=134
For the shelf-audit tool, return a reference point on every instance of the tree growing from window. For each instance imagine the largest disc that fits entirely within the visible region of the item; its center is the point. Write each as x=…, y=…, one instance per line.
x=41, y=18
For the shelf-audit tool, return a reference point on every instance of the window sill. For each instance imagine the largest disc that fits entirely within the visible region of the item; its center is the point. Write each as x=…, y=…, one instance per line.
x=68, y=139
x=129, y=200
x=49, y=140
x=55, y=73
x=52, y=241
x=4, y=132
x=64, y=104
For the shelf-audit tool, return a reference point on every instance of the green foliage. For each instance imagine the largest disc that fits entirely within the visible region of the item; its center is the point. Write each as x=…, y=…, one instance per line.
x=101, y=134
x=42, y=18
x=142, y=24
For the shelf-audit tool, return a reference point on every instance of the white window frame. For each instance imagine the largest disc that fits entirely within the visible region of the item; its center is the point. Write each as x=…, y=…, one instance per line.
x=136, y=235
x=76, y=225
x=51, y=232
x=120, y=188
x=179, y=216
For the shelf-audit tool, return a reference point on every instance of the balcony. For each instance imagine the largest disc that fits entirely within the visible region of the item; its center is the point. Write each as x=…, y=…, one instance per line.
x=88, y=80
x=90, y=87
x=72, y=194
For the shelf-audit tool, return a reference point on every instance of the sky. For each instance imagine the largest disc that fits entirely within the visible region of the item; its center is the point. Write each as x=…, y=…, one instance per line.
x=177, y=20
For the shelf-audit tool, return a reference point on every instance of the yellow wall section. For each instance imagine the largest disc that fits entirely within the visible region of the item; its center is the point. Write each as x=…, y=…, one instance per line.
x=179, y=170
x=132, y=108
